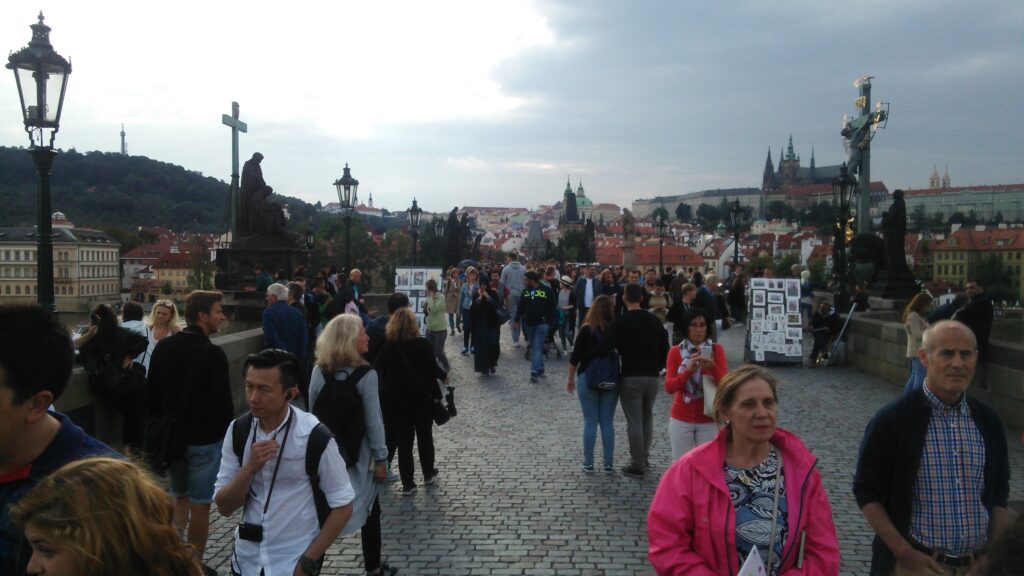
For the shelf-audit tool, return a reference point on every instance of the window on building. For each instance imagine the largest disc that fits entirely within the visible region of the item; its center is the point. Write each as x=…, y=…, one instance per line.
x=17, y=290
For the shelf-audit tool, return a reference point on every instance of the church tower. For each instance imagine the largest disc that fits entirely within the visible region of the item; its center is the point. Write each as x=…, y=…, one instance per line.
x=945, y=178
x=933, y=182
x=370, y=200
x=569, y=212
x=124, y=143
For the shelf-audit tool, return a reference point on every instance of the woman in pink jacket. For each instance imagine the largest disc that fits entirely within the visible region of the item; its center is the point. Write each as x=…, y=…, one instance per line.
x=718, y=502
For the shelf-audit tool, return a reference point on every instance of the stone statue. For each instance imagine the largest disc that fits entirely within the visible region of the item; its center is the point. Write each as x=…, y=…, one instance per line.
x=253, y=192
x=894, y=227
x=628, y=224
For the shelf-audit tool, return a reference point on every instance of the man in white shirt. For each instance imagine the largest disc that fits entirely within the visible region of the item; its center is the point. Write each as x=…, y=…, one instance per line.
x=279, y=533
x=586, y=291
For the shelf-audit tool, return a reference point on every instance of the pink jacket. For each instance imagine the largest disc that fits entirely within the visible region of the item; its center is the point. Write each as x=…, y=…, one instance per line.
x=691, y=524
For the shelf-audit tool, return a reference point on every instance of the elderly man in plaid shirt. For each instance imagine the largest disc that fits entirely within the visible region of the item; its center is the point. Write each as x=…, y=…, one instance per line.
x=933, y=476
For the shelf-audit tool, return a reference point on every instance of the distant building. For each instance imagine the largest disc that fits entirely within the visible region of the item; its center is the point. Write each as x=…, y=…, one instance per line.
x=644, y=208
x=955, y=258
x=985, y=201
x=85, y=266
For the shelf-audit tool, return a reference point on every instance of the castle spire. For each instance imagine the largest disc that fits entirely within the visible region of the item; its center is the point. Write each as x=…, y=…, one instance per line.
x=790, y=155
x=933, y=182
x=812, y=157
x=124, y=143
x=945, y=178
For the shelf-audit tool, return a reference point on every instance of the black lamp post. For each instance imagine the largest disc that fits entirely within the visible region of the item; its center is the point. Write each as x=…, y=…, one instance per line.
x=736, y=214
x=45, y=75
x=662, y=227
x=842, y=192
x=414, y=227
x=348, y=188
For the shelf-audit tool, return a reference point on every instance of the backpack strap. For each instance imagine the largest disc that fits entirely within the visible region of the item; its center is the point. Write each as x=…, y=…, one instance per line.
x=315, y=447
x=239, y=434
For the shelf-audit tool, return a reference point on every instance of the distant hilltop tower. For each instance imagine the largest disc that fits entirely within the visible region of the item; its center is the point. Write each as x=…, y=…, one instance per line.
x=124, y=143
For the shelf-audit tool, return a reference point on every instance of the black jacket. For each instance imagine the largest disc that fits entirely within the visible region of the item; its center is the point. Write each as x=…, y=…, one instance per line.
x=977, y=315
x=408, y=377
x=890, y=455
x=536, y=306
x=641, y=341
x=188, y=363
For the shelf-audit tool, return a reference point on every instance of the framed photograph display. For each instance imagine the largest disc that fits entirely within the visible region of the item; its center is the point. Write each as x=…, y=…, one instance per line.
x=775, y=331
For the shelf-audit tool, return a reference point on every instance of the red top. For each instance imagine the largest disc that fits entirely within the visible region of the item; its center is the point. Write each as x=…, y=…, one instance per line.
x=675, y=383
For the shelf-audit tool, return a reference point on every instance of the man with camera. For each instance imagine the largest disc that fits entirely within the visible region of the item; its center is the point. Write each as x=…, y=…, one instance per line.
x=280, y=532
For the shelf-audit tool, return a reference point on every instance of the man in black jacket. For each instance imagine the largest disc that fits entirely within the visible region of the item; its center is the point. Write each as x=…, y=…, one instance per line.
x=977, y=315
x=188, y=376
x=933, y=476
x=642, y=343
x=534, y=314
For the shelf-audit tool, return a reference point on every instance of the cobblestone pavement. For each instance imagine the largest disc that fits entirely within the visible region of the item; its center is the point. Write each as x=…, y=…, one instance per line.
x=512, y=498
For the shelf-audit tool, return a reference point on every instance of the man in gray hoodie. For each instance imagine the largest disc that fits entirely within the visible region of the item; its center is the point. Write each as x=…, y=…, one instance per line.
x=512, y=280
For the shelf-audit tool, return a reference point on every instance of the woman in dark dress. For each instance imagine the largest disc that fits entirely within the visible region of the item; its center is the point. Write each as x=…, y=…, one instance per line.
x=486, y=327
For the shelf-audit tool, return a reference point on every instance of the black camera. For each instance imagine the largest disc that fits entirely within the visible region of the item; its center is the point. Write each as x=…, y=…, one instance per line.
x=250, y=532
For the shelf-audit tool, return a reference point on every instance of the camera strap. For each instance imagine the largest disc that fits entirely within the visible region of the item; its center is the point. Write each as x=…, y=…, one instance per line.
x=277, y=465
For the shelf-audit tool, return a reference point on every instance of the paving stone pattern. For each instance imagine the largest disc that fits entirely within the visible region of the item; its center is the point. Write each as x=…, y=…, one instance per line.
x=512, y=498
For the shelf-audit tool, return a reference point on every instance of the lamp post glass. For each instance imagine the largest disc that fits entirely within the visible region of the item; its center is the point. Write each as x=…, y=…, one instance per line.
x=348, y=188
x=736, y=214
x=414, y=227
x=41, y=76
x=662, y=226
x=842, y=192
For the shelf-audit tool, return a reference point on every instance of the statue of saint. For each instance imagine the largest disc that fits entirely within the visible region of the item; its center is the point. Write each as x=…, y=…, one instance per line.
x=894, y=226
x=628, y=224
x=253, y=194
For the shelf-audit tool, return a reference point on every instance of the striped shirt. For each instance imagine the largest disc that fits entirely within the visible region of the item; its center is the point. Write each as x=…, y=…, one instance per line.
x=948, y=515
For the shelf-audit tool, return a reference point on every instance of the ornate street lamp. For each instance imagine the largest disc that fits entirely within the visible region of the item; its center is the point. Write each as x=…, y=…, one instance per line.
x=842, y=192
x=348, y=188
x=738, y=221
x=662, y=227
x=439, y=228
x=414, y=227
x=42, y=76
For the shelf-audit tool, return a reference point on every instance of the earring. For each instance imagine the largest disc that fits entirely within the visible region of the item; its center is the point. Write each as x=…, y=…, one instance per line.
x=728, y=422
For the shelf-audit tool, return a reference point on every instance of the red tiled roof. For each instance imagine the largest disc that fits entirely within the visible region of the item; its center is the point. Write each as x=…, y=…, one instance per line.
x=826, y=188
x=933, y=191
x=974, y=240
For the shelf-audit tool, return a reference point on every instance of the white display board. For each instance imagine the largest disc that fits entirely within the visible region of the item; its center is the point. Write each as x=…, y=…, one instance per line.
x=774, y=324
x=413, y=283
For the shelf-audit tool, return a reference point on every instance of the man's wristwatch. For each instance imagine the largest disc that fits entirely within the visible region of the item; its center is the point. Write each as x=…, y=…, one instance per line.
x=309, y=566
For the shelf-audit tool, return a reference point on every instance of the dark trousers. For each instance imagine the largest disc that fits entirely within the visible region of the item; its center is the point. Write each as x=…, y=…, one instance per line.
x=467, y=328
x=419, y=427
x=370, y=537
x=133, y=408
x=820, y=344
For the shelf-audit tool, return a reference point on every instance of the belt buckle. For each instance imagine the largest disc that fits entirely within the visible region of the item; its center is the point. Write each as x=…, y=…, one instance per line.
x=957, y=561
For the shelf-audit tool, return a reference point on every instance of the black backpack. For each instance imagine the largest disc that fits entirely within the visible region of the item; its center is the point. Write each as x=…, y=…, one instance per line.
x=318, y=440
x=340, y=406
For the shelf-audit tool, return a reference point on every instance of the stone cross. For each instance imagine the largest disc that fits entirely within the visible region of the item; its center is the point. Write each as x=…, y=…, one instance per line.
x=235, y=202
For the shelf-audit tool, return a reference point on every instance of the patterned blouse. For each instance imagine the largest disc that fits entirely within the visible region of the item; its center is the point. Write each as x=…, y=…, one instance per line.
x=753, y=491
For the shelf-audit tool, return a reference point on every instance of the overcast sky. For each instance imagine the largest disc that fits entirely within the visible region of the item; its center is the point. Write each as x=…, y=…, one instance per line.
x=495, y=103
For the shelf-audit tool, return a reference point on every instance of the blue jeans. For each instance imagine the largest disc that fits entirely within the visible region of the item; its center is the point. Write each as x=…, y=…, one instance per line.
x=598, y=408
x=917, y=374
x=536, y=335
x=513, y=307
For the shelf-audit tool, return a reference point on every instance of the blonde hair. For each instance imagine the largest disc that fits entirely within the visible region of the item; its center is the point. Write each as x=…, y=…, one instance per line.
x=601, y=313
x=919, y=303
x=471, y=270
x=730, y=384
x=337, y=347
x=113, y=517
x=402, y=326
x=151, y=319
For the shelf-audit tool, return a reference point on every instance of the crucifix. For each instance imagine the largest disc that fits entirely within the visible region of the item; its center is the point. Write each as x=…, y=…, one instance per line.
x=235, y=202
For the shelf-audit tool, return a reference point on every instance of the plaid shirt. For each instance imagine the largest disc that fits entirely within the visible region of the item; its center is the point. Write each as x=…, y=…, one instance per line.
x=947, y=513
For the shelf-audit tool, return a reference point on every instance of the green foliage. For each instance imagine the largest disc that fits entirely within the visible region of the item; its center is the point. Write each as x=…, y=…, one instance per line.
x=918, y=219
x=707, y=214
x=990, y=273
x=683, y=212
x=782, y=267
x=779, y=210
x=167, y=288
x=660, y=212
x=817, y=270
x=201, y=269
x=759, y=262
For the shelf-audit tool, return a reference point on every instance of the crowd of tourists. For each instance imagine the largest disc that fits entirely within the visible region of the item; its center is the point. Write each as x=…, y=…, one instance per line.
x=340, y=394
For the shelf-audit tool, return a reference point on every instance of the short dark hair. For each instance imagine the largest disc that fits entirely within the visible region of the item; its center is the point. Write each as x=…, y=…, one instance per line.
x=697, y=279
x=976, y=281
x=44, y=356
x=397, y=301
x=132, y=311
x=295, y=290
x=692, y=314
x=285, y=362
x=200, y=301
x=633, y=293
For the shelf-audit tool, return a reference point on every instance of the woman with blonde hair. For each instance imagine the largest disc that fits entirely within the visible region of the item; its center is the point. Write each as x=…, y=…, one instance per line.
x=409, y=373
x=339, y=354
x=914, y=324
x=451, y=299
x=162, y=322
x=102, y=516
x=755, y=486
